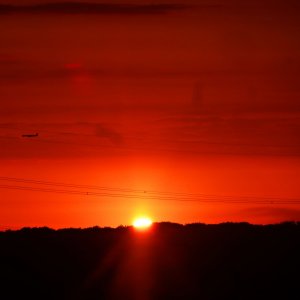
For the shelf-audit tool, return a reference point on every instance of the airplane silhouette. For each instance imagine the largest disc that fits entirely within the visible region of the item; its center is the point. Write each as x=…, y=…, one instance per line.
x=30, y=135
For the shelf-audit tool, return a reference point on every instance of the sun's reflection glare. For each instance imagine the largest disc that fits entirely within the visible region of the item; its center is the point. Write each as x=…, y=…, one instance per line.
x=142, y=223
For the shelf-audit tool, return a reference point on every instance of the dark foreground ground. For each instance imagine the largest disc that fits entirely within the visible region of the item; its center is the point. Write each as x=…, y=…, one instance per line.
x=171, y=261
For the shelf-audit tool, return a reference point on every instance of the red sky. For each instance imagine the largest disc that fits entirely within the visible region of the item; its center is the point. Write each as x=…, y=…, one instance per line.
x=193, y=97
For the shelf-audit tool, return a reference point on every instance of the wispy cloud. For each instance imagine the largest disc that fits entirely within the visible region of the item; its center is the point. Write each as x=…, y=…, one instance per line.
x=103, y=131
x=81, y=137
x=275, y=214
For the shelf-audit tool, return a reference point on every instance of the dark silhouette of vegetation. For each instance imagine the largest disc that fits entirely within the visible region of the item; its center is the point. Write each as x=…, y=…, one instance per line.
x=170, y=261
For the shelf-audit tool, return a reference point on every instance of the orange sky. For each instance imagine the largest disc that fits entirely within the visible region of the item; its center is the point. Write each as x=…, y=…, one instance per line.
x=200, y=98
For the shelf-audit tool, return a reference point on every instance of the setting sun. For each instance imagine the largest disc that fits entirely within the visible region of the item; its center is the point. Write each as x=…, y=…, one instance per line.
x=142, y=223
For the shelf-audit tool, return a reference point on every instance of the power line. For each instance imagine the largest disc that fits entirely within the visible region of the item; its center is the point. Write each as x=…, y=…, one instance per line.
x=129, y=190
x=202, y=200
x=136, y=194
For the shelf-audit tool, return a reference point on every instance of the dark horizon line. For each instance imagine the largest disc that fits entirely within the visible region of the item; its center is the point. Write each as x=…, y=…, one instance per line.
x=78, y=7
x=92, y=8
x=155, y=224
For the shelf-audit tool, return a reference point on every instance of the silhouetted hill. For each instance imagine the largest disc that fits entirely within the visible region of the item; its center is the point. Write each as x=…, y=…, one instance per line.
x=170, y=261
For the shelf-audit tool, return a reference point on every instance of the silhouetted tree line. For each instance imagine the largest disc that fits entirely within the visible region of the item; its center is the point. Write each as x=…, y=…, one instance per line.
x=170, y=261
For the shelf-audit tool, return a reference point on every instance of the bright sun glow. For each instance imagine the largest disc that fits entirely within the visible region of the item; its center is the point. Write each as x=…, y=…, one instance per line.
x=142, y=223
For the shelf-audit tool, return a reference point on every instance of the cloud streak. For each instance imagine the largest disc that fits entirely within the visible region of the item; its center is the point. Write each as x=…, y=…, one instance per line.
x=103, y=131
x=275, y=214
